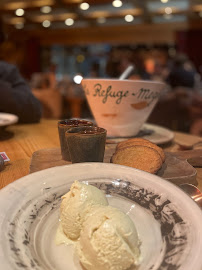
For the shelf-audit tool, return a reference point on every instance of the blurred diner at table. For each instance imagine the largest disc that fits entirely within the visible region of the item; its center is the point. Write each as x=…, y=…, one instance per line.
x=15, y=94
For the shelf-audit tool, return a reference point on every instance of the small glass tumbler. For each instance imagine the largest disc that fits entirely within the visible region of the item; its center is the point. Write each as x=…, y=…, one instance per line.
x=63, y=126
x=86, y=144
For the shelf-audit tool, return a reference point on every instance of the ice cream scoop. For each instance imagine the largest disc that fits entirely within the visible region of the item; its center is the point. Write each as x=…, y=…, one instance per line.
x=108, y=240
x=76, y=205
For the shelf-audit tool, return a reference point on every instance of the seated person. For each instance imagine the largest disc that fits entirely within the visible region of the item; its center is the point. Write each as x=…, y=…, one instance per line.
x=15, y=94
x=180, y=75
x=16, y=97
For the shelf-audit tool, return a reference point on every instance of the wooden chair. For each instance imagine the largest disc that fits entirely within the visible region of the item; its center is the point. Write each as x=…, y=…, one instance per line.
x=51, y=101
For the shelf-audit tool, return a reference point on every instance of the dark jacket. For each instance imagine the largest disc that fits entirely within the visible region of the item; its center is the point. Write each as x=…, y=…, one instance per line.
x=16, y=96
x=181, y=77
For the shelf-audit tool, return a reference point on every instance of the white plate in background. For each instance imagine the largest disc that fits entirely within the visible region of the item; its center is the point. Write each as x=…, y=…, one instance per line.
x=7, y=119
x=160, y=135
x=153, y=133
x=167, y=220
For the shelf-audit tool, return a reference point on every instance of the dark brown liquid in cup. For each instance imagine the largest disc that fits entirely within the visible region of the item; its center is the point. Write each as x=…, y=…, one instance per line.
x=95, y=131
x=75, y=123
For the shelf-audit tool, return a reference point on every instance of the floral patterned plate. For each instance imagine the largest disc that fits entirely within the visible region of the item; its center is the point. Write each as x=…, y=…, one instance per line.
x=167, y=220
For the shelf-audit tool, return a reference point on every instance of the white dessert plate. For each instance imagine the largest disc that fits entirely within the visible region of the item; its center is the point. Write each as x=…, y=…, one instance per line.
x=159, y=135
x=153, y=133
x=7, y=119
x=167, y=220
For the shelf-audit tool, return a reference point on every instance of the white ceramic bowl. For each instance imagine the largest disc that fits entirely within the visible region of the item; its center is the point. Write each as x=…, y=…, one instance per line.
x=121, y=106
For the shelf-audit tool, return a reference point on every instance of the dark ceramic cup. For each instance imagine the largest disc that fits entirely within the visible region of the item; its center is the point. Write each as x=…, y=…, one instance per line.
x=63, y=126
x=86, y=144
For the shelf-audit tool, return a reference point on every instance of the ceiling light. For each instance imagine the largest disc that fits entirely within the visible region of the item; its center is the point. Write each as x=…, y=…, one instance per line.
x=19, y=12
x=164, y=1
x=84, y=6
x=69, y=21
x=101, y=20
x=46, y=9
x=168, y=10
x=129, y=18
x=117, y=3
x=19, y=25
x=77, y=79
x=46, y=23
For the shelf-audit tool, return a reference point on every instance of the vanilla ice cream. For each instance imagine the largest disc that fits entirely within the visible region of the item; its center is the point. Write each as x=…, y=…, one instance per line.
x=108, y=240
x=76, y=205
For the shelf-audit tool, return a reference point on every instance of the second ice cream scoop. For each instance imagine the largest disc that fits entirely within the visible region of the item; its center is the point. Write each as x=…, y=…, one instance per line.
x=108, y=240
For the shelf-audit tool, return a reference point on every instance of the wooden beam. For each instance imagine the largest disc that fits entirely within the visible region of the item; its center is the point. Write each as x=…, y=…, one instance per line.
x=131, y=34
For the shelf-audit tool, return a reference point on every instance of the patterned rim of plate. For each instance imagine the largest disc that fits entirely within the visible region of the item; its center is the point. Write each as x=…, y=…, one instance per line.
x=179, y=220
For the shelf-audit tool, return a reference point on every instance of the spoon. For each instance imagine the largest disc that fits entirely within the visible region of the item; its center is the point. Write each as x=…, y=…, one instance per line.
x=186, y=146
x=193, y=192
x=126, y=72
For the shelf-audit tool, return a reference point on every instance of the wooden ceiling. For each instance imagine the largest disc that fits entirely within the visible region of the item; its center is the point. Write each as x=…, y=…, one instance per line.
x=100, y=12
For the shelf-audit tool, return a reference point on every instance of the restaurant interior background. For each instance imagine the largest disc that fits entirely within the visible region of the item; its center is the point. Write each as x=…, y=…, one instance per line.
x=55, y=43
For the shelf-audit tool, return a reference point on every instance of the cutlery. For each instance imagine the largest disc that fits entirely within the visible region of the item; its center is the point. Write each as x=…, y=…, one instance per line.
x=193, y=192
x=187, y=146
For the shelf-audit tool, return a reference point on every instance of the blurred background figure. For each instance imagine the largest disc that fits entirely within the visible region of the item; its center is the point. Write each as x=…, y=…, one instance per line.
x=44, y=88
x=15, y=94
x=182, y=73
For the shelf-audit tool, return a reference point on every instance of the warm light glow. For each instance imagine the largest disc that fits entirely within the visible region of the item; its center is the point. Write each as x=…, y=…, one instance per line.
x=19, y=25
x=19, y=12
x=53, y=17
x=80, y=58
x=98, y=13
x=129, y=18
x=46, y=23
x=168, y=10
x=16, y=20
x=117, y=3
x=84, y=6
x=46, y=9
x=101, y=20
x=77, y=79
x=69, y=21
x=164, y=1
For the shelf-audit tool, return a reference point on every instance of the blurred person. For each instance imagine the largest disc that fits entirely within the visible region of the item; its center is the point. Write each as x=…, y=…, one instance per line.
x=39, y=81
x=196, y=127
x=15, y=95
x=117, y=64
x=181, y=74
x=49, y=95
x=51, y=75
x=162, y=64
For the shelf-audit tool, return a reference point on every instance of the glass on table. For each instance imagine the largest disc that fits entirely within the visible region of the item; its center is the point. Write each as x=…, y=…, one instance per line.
x=86, y=144
x=63, y=126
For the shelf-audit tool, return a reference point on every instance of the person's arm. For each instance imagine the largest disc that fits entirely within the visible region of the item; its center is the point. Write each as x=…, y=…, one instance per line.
x=17, y=98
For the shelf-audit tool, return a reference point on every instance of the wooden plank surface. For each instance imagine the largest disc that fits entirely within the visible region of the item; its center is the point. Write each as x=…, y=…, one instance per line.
x=26, y=139
x=177, y=171
x=19, y=148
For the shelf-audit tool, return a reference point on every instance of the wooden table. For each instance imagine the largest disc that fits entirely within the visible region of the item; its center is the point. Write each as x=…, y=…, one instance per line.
x=32, y=137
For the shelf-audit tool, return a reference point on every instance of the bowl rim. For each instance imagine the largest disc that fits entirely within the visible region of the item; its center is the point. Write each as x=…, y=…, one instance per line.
x=121, y=81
